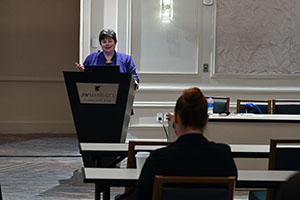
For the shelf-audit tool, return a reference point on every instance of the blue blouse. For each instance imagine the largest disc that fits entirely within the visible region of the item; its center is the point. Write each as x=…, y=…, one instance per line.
x=123, y=60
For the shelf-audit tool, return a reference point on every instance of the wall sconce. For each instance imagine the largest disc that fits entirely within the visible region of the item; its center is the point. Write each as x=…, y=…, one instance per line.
x=166, y=11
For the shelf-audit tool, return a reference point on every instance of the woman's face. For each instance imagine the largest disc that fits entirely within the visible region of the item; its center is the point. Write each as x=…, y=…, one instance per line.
x=108, y=45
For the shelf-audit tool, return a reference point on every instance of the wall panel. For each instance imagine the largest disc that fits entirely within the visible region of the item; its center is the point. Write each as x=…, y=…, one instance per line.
x=39, y=40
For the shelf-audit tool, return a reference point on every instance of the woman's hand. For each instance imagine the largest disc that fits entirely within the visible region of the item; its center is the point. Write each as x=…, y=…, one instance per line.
x=136, y=84
x=79, y=67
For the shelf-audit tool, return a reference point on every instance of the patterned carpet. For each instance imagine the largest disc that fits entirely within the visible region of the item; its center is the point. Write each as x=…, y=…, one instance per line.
x=41, y=167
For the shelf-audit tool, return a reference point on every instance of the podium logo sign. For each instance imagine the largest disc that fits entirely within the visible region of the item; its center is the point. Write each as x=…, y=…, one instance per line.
x=97, y=93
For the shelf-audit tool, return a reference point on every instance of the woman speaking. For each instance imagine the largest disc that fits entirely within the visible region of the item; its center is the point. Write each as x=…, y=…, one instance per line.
x=108, y=56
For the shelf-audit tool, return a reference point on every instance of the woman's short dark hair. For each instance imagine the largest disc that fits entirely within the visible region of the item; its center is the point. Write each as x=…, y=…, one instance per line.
x=107, y=33
x=191, y=107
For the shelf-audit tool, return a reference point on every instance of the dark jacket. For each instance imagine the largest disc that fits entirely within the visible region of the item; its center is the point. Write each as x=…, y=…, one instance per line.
x=189, y=155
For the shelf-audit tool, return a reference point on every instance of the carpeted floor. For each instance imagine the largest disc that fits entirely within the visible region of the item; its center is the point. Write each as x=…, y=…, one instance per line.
x=40, y=166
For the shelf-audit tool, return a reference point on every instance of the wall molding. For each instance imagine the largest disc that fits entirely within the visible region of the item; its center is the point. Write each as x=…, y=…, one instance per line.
x=35, y=126
x=137, y=126
x=30, y=79
x=163, y=104
x=194, y=68
x=256, y=76
x=156, y=104
x=144, y=87
x=85, y=29
x=59, y=127
x=180, y=88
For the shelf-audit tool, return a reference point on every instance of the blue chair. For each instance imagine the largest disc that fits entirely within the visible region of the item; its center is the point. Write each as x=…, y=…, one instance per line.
x=221, y=104
x=286, y=106
x=257, y=195
x=284, y=155
x=264, y=106
x=183, y=187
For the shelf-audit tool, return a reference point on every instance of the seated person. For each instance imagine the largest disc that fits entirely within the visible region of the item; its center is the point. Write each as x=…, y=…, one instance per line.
x=290, y=189
x=191, y=154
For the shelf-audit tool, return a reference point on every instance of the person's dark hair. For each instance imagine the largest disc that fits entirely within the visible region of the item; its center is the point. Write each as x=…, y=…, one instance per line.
x=107, y=33
x=191, y=107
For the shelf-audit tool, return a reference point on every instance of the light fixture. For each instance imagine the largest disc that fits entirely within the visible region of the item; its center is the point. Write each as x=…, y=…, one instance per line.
x=166, y=11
